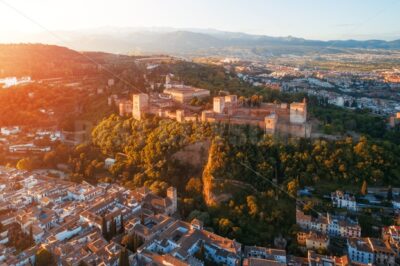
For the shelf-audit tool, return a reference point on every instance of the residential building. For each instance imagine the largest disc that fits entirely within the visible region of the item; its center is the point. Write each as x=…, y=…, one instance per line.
x=329, y=225
x=315, y=259
x=391, y=234
x=343, y=200
x=313, y=240
x=396, y=202
x=7, y=131
x=182, y=240
x=125, y=108
x=67, y=218
x=255, y=254
x=370, y=251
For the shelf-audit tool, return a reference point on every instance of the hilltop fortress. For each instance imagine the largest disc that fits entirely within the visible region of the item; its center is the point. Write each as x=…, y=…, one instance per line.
x=276, y=119
x=282, y=119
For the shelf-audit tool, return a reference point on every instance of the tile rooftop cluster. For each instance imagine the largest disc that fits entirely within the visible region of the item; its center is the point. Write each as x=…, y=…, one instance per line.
x=317, y=232
x=68, y=219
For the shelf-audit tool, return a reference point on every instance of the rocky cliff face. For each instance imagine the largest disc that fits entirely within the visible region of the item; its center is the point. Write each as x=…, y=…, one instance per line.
x=208, y=180
x=213, y=175
x=209, y=160
x=195, y=155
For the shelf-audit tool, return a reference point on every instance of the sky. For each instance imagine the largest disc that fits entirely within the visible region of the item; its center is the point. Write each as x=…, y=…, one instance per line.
x=311, y=19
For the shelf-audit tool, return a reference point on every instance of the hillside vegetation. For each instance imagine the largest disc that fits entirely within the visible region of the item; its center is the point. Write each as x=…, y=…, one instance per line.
x=42, y=61
x=242, y=188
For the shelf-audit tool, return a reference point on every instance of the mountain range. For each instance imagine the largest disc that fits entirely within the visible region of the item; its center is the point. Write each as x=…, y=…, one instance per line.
x=197, y=42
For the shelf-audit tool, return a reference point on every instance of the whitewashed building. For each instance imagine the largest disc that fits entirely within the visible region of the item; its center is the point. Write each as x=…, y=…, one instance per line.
x=341, y=199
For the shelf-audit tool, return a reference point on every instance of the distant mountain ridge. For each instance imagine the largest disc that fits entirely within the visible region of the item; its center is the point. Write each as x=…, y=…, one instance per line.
x=193, y=42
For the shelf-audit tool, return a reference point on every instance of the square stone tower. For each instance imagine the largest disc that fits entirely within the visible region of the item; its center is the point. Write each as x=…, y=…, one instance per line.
x=140, y=105
x=180, y=116
x=298, y=112
x=172, y=195
x=219, y=105
x=271, y=122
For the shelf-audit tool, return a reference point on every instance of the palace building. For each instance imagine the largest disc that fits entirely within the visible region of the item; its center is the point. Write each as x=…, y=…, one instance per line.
x=282, y=119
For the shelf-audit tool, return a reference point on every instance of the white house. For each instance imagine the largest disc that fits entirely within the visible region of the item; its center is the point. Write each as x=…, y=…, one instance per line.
x=396, y=203
x=68, y=232
x=108, y=163
x=360, y=251
x=371, y=251
x=344, y=200
x=7, y=131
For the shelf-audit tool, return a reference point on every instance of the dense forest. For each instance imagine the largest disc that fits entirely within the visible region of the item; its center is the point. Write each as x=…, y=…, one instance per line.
x=56, y=102
x=39, y=105
x=33, y=104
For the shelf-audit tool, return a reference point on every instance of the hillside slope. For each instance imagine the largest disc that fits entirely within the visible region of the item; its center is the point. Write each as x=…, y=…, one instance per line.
x=39, y=61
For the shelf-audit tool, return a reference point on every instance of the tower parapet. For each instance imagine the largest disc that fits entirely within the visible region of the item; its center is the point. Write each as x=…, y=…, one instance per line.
x=219, y=105
x=172, y=195
x=140, y=105
x=298, y=112
x=180, y=116
x=271, y=122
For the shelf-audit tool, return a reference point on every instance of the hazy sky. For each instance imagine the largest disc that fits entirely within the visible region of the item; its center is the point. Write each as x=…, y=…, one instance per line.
x=317, y=19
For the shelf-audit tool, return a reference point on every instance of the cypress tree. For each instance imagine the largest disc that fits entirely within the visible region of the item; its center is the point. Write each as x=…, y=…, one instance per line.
x=122, y=229
x=113, y=229
x=104, y=229
x=364, y=188
x=390, y=194
x=136, y=242
x=31, y=240
x=44, y=258
x=82, y=263
x=142, y=218
x=123, y=257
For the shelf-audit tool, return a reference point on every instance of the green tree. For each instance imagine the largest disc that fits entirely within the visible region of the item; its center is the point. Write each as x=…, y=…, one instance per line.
x=252, y=205
x=122, y=228
x=25, y=164
x=137, y=242
x=194, y=186
x=293, y=187
x=49, y=159
x=364, y=188
x=123, y=257
x=44, y=258
x=202, y=216
x=30, y=238
x=132, y=242
x=224, y=225
x=104, y=228
x=82, y=263
x=390, y=194
x=113, y=229
x=201, y=253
